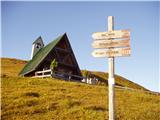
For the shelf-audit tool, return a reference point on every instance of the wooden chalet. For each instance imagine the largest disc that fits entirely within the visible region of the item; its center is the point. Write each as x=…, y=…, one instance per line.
x=42, y=56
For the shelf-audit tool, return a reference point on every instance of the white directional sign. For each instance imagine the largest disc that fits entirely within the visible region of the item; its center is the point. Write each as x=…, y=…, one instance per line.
x=113, y=43
x=110, y=43
x=116, y=52
x=111, y=34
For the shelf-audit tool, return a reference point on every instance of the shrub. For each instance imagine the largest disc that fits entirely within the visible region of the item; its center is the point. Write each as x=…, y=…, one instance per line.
x=32, y=94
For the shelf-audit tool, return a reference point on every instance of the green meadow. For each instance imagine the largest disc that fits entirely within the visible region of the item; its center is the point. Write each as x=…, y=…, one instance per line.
x=53, y=99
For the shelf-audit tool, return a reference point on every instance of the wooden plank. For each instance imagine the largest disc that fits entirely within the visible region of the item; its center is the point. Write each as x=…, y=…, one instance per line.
x=111, y=43
x=69, y=65
x=43, y=71
x=42, y=76
x=64, y=50
x=115, y=52
x=111, y=35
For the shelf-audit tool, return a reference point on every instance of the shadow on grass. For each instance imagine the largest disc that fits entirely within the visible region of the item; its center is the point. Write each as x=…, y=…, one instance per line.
x=96, y=108
x=31, y=94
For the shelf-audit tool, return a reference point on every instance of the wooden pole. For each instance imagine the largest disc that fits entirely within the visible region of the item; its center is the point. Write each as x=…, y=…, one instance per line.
x=111, y=81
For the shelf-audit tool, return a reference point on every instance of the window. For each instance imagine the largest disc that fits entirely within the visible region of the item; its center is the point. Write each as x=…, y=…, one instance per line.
x=38, y=45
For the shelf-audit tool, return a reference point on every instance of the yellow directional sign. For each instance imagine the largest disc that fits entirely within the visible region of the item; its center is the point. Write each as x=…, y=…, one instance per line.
x=110, y=43
x=111, y=35
x=116, y=52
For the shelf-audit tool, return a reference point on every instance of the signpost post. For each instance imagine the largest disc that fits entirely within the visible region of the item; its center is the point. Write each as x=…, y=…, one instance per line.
x=107, y=43
x=111, y=80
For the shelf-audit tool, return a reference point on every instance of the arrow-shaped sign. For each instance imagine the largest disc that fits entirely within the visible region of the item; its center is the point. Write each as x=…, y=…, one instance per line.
x=111, y=35
x=110, y=43
x=116, y=52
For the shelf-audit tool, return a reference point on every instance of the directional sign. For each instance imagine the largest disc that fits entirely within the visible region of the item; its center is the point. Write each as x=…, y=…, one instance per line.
x=111, y=35
x=111, y=43
x=116, y=52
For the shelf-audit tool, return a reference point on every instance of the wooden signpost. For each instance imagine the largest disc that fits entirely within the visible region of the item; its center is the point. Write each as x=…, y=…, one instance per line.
x=111, y=35
x=111, y=43
x=114, y=43
x=116, y=52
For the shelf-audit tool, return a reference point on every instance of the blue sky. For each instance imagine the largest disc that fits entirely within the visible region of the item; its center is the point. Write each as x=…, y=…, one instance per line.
x=23, y=22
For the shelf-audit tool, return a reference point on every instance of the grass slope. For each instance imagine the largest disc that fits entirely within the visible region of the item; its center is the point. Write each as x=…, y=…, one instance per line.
x=12, y=67
x=46, y=99
x=120, y=81
x=34, y=99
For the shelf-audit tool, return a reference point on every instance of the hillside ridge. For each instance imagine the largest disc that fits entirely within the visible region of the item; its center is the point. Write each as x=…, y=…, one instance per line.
x=12, y=67
x=24, y=98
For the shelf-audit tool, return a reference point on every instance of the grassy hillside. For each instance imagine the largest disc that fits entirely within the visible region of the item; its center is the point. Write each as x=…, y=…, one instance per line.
x=11, y=67
x=120, y=81
x=46, y=99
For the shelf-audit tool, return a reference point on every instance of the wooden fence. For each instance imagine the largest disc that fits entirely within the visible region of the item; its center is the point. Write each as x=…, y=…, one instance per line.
x=56, y=74
x=44, y=73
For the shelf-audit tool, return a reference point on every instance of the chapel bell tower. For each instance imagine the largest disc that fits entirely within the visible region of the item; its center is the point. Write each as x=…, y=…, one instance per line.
x=36, y=46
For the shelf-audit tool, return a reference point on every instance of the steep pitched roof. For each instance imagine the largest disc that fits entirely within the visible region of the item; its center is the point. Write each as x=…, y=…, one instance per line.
x=38, y=58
